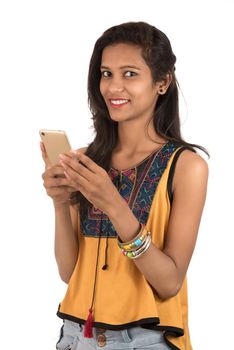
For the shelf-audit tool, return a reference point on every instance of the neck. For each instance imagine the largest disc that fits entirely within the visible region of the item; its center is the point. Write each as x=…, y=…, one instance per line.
x=134, y=139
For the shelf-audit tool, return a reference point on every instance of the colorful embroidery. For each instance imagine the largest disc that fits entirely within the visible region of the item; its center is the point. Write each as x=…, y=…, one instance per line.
x=137, y=186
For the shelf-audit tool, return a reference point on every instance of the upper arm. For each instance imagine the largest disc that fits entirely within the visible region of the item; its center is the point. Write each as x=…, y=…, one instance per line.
x=189, y=192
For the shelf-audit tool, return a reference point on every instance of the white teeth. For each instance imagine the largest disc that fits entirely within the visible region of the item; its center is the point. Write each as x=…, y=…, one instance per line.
x=118, y=102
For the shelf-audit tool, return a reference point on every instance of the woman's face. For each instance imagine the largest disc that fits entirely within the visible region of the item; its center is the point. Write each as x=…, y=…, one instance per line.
x=126, y=83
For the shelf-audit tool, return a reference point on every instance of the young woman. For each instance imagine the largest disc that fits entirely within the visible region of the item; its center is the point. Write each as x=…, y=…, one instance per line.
x=128, y=207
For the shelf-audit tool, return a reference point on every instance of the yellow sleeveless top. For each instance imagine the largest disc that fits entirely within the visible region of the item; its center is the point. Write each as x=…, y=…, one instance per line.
x=122, y=296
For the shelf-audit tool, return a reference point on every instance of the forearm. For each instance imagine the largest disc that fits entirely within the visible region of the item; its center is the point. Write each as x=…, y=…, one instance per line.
x=157, y=267
x=66, y=243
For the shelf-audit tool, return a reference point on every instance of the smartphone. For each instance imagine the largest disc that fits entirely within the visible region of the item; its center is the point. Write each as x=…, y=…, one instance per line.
x=55, y=142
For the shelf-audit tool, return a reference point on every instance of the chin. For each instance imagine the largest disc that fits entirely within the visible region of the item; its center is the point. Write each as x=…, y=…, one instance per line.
x=118, y=118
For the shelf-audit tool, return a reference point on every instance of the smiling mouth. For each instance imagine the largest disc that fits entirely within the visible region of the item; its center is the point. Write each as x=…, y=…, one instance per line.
x=118, y=103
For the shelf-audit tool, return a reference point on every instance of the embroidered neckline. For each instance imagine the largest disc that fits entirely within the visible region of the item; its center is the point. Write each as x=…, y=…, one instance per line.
x=142, y=161
x=137, y=186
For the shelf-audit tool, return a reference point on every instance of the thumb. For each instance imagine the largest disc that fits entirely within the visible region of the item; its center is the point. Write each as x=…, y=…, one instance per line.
x=45, y=156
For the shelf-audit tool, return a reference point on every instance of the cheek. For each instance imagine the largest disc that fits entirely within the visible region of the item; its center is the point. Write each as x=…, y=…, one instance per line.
x=142, y=85
x=102, y=87
x=142, y=91
x=145, y=96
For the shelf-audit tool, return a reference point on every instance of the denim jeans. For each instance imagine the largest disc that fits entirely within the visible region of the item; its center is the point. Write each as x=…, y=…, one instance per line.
x=137, y=338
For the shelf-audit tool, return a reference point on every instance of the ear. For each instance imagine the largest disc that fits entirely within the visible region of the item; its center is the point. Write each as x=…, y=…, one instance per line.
x=163, y=85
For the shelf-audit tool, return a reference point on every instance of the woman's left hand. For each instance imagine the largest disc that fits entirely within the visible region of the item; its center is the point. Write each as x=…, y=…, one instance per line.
x=91, y=180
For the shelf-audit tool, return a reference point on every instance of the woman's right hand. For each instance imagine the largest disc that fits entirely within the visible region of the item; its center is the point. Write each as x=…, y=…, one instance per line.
x=55, y=182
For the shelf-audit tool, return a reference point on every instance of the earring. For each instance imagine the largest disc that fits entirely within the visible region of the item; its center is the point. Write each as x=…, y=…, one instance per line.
x=161, y=91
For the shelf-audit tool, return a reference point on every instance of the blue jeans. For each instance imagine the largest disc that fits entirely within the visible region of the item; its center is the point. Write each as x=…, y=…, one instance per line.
x=136, y=338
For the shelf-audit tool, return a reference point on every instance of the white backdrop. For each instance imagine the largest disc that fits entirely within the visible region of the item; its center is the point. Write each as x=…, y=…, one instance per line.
x=45, y=47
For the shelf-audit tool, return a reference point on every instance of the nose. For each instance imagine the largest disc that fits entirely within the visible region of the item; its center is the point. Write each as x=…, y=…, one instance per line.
x=115, y=85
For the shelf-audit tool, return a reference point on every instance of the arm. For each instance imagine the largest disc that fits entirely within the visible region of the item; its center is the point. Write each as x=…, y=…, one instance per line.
x=66, y=217
x=165, y=270
x=66, y=246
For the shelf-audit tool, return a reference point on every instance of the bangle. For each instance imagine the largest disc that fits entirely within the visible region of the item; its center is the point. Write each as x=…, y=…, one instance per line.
x=136, y=242
x=143, y=251
x=138, y=252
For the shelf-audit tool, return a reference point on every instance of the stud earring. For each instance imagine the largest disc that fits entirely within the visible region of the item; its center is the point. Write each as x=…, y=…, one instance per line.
x=161, y=91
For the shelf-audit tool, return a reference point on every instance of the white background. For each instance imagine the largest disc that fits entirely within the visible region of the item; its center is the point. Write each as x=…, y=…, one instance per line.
x=45, y=47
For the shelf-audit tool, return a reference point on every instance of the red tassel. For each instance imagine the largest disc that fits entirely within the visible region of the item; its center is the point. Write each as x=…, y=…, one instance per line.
x=88, y=330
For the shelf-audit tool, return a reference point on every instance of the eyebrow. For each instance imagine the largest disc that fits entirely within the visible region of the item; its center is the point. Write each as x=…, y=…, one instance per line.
x=123, y=67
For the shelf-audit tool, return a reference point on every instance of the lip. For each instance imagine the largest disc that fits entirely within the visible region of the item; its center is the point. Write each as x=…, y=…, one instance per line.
x=114, y=105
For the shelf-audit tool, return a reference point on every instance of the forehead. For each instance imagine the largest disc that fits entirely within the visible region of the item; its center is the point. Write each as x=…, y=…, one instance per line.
x=122, y=54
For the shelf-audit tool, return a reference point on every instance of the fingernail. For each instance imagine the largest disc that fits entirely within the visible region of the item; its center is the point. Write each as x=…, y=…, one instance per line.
x=66, y=174
x=77, y=153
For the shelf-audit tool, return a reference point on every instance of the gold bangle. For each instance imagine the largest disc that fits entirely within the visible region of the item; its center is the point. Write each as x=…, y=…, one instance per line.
x=136, y=242
x=143, y=250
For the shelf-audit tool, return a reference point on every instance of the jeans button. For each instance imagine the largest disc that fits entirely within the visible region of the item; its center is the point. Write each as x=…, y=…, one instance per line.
x=101, y=340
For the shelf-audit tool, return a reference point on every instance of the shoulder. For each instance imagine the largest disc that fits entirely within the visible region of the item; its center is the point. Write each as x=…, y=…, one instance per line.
x=189, y=161
x=190, y=166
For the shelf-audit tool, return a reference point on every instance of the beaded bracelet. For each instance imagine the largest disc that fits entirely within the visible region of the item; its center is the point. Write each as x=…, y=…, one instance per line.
x=138, y=252
x=136, y=242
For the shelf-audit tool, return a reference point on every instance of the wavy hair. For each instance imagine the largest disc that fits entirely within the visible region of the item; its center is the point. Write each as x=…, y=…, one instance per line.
x=158, y=55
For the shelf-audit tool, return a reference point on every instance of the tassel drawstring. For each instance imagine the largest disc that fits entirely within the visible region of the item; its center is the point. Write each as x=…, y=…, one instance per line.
x=105, y=266
x=88, y=329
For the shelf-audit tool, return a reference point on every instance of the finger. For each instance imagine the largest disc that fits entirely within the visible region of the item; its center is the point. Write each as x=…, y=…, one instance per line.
x=76, y=179
x=72, y=189
x=53, y=171
x=86, y=161
x=44, y=155
x=57, y=182
x=82, y=164
x=78, y=188
x=58, y=192
x=76, y=170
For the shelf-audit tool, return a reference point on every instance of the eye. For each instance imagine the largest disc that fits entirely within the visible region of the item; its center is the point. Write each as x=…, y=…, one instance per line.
x=129, y=74
x=106, y=74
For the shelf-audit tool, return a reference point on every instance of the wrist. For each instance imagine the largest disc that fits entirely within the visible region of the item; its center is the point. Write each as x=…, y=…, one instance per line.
x=126, y=224
x=117, y=208
x=61, y=205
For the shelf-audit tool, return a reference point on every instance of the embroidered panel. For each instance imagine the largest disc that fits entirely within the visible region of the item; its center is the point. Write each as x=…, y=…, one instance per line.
x=137, y=186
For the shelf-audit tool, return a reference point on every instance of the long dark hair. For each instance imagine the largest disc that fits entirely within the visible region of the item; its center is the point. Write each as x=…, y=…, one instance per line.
x=158, y=55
